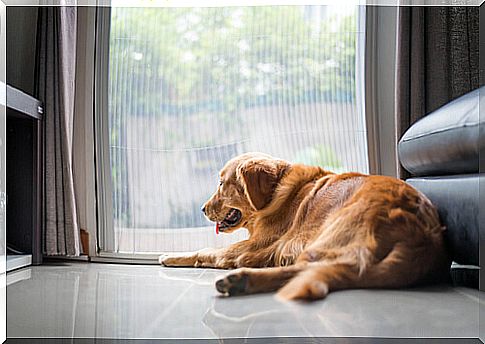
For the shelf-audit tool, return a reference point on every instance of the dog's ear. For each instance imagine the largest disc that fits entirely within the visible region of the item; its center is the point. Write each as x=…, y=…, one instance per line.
x=259, y=178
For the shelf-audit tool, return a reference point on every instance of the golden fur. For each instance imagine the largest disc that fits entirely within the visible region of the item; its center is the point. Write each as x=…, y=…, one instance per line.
x=312, y=231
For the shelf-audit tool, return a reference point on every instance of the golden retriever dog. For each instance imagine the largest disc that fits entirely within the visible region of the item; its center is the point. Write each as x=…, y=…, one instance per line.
x=312, y=231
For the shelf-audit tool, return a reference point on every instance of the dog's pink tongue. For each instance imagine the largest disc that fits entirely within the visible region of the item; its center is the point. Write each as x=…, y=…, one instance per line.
x=217, y=227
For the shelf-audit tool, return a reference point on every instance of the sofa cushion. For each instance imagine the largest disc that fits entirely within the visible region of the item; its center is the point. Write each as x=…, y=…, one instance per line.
x=457, y=200
x=448, y=140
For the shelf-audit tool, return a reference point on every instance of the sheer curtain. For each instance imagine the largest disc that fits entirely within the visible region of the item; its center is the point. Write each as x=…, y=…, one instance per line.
x=189, y=88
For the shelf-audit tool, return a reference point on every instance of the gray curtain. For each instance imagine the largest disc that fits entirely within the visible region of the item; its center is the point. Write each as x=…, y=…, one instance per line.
x=437, y=60
x=56, y=59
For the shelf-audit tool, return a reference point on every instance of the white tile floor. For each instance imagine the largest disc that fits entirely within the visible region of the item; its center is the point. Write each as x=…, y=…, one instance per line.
x=134, y=301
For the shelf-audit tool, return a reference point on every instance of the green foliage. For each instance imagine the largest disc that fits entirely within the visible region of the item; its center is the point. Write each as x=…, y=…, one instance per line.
x=186, y=60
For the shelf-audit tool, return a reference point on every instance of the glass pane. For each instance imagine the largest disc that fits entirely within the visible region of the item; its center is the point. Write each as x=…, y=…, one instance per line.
x=190, y=88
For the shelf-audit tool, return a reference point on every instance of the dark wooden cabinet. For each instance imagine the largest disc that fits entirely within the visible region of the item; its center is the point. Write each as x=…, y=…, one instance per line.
x=24, y=174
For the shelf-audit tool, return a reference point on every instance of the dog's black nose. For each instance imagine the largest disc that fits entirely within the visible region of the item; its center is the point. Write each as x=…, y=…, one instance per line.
x=203, y=209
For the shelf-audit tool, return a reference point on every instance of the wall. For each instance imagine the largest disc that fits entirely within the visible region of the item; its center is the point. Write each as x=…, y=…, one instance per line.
x=21, y=43
x=379, y=86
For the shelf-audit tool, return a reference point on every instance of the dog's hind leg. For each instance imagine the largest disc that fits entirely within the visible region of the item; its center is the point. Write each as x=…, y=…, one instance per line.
x=316, y=282
x=250, y=281
x=357, y=270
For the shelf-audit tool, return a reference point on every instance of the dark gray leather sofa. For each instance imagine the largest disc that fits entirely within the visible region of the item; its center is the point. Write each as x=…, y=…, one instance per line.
x=441, y=151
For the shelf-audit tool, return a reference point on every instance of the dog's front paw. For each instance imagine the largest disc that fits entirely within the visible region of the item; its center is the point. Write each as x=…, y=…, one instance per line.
x=177, y=260
x=162, y=259
x=235, y=283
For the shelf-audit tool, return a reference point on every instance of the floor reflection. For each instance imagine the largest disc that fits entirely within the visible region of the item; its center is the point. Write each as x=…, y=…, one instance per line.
x=133, y=301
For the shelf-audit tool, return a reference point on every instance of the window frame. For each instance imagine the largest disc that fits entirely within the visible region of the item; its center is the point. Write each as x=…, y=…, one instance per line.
x=105, y=237
x=105, y=234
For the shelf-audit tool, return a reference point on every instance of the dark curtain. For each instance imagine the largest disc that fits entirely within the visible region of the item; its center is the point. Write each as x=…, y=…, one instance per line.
x=55, y=72
x=437, y=60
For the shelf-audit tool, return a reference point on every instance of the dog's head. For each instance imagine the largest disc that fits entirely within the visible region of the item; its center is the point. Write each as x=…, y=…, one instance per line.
x=246, y=186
